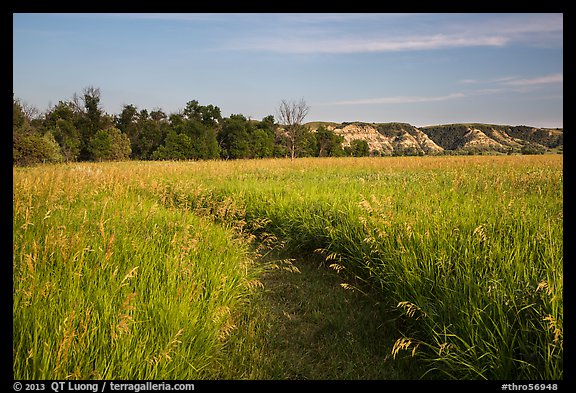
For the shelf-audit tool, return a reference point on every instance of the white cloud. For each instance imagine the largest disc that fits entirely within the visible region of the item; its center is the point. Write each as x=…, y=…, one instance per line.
x=367, y=45
x=546, y=79
x=319, y=34
x=398, y=100
x=504, y=82
x=503, y=85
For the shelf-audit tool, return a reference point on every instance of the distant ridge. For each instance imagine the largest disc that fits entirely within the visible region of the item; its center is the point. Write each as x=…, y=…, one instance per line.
x=389, y=139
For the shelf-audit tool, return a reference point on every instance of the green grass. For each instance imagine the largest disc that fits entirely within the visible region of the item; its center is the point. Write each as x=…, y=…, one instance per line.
x=111, y=285
x=306, y=326
x=462, y=256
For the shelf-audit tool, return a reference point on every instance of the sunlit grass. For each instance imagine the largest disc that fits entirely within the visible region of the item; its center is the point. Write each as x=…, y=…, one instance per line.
x=465, y=252
x=108, y=284
x=468, y=241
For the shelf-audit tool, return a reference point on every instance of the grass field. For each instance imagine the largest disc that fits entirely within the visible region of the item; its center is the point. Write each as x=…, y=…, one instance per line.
x=161, y=270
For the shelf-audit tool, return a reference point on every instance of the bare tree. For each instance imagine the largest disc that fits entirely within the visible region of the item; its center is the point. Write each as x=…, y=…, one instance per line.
x=90, y=97
x=77, y=103
x=30, y=111
x=291, y=114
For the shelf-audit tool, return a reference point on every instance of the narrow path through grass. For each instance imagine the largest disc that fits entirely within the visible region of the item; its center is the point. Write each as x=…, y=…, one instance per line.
x=305, y=325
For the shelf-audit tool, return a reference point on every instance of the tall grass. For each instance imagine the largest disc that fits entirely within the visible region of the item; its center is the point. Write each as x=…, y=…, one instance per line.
x=467, y=250
x=109, y=284
x=467, y=253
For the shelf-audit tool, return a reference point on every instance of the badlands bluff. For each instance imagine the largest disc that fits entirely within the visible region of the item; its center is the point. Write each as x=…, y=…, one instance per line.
x=404, y=139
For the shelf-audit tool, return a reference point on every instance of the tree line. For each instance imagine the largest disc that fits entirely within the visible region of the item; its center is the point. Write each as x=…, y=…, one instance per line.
x=80, y=130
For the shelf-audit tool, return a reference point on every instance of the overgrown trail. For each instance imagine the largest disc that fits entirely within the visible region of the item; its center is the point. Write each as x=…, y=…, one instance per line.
x=305, y=325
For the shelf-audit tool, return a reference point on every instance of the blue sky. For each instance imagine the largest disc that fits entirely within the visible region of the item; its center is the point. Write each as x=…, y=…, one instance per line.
x=422, y=69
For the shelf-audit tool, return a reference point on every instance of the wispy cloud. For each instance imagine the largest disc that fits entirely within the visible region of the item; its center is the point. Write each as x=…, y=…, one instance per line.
x=344, y=45
x=468, y=81
x=398, y=100
x=338, y=33
x=167, y=16
x=321, y=34
x=500, y=85
x=541, y=80
x=368, y=45
x=519, y=81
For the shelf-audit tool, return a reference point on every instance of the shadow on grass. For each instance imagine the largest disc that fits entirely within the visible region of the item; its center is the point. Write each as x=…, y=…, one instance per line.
x=305, y=325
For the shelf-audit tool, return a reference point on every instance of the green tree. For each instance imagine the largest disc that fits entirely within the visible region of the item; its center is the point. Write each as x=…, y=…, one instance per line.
x=268, y=122
x=532, y=148
x=175, y=147
x=307, y=145
x=93, y=110
x=64, y=110
x=69, y=139
x=126, y=121
x=263, y=138
x=92, y=114
x=234, y=137
x=51, y=148
x=240, y=137
x=208, y=115
x=19, y=120
x=34, y=148
x=359, y=148
x=158, y=115
x=91, y=118
x=152, y=132
x=29, y=145
x=200, y=124
x=110, y=144
x=61, y=121
x=145, y=130
x=204, y=143
x=262, y=143
x=329, y=143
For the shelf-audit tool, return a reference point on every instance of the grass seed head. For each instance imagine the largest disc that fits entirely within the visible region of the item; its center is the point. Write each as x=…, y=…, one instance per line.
x=404, y=344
